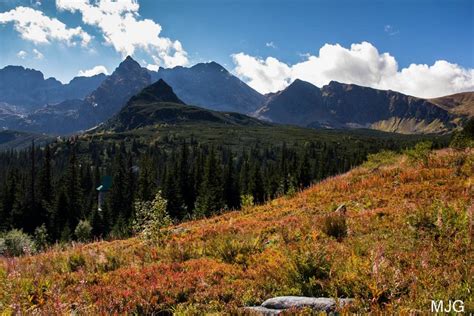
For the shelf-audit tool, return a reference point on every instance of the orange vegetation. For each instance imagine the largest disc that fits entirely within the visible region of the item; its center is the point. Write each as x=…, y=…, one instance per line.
x=408, y=241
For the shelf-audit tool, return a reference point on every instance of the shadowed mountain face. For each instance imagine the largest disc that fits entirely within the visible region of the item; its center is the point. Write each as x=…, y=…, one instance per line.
x=27, y=88
x=28, y=102
x=75, y=115
x=211, y=86
x=127, y=80
x=158, y=104
x=338, y=105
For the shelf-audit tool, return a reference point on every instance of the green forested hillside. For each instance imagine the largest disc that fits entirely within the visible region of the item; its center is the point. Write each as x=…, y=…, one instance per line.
x=55, y=186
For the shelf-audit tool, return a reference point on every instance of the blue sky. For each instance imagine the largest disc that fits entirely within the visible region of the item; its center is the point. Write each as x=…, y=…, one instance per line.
x=289, y=32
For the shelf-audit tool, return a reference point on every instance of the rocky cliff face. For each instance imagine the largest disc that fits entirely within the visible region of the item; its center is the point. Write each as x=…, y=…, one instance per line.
x=339, y=105
x=211, y=86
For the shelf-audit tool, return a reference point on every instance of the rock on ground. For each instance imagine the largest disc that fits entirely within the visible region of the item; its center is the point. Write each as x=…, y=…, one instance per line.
x=276, y=305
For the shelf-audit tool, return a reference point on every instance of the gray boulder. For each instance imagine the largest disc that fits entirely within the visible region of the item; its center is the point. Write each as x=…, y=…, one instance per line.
x=259, y=310
x=322, y=304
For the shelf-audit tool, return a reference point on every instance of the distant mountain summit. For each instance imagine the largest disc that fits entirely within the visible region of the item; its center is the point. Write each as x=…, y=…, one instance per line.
x=158, y=104
x=339, y=105
x=211, y=86
x=107, y=99
x=128, y=79
x=27, y=88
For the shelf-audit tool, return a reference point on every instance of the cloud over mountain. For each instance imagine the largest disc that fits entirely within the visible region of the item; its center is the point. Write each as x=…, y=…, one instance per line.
x=361, y=64
x=99, y=69
x=124, y=29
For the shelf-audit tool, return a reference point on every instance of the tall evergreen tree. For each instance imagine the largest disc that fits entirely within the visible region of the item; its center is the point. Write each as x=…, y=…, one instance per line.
x=73, y=191
x=231, y=186
x=45, y=182
x=210, y=199
x=175, y=205
x=145, y=187
x=304, y=174
x=256, y=185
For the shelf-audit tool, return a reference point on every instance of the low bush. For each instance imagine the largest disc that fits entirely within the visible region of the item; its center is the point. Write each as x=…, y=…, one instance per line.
x=420, y=153
x=76, y=261
x=16, y=243
x=41, y=237
x=384, y=157
x=335, y=226
x=83, y=231
x=233, y=248
x=464, y=138
x=151, y=217
x=309, y=270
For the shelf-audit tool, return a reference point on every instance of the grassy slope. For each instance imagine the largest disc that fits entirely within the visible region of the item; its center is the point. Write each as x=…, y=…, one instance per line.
x=408, y=243
x=240, y=137
x=460, y=103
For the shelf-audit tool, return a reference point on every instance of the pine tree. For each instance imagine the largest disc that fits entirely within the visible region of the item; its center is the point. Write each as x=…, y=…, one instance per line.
x=73, y=192
x=171, y=192
x=8, y=200
x=186, y=185
x=210, y=199
x=304, y=175
x=145, y=191
x=256, y=186
x=60, y=216
x=244, y=176
x=231, y=189
x=45, y=183
x=115, y=197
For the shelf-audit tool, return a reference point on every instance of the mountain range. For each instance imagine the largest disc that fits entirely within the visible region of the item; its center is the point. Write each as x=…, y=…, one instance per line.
x=27, y=88
x=29, y=102
x=339, y=105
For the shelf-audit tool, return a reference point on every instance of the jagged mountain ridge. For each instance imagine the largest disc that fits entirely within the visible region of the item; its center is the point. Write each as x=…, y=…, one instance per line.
x=339, y=105
x=211, y=86
x=29, y=89
x=75, y=115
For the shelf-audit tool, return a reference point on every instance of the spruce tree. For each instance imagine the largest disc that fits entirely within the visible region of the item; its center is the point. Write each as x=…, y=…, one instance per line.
x=256, y=186
x=210, y=199
x=175, y=206
x=45, y=182
x=145, y=191
x=304, y=176
x=231, y=187
x=73, y=191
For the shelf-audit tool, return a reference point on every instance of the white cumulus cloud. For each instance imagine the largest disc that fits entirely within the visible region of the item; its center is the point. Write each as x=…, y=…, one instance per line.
x=36, y=27
x=360, y=64
x=99, y=69
x=124, y=29
x=264, y=75
x=37, y=54
x=22, y=54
